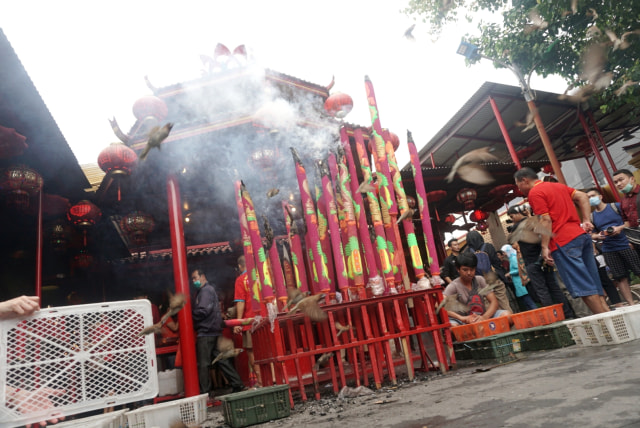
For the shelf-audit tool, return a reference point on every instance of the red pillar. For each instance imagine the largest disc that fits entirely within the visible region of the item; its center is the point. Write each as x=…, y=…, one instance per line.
x=39, y=249
x=602, y=143
x=505, y=133
x=181, y=279
x=433, y=161
x=598, y=156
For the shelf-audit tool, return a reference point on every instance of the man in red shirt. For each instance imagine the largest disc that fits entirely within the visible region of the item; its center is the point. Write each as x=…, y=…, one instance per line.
x=570, y=248
x=243, y=299
x=626, y=183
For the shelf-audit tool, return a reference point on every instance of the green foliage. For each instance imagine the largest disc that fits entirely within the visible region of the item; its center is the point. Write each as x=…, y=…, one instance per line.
x=557, y=46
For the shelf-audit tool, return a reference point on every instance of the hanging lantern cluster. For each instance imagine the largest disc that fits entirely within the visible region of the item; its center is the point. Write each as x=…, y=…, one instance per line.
x=83, y=259
x=338, y=105
x=137, y=225
x=20, y=183
x=467, y=198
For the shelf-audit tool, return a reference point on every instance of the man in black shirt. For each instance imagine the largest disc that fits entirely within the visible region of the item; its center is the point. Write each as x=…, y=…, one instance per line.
x=542, y=277
x=449, y=271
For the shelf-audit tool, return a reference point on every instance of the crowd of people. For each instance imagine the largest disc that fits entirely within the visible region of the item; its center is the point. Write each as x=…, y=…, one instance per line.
x=590, y=244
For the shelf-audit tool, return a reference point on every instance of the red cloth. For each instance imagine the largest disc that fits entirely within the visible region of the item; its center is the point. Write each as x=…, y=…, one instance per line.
x=243, y=294
x=554, y=200
x=629, y=207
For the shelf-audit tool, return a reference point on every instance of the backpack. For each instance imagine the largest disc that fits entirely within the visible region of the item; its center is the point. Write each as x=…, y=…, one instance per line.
x=484, y=262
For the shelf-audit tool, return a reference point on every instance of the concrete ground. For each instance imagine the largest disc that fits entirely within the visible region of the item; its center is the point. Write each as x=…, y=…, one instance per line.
x=570, y=387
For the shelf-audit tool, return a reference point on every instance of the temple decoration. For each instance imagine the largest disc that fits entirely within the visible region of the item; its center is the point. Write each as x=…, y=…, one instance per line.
x=84, y=214
x=137, y=225
x=436, y=196
x=395, y=140
x=150, y=107
x=467, y=198
x=59, y=235
x=478, y=216
x=11, y=143
x=20, y=183
x=505, y=193
x=117, y=160
x=547, y=169
x=450, y=219
x=338, y=105
x=411, y=201
x=482, y=226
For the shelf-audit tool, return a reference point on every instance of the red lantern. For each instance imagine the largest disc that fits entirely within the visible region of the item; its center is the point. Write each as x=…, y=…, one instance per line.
x=505, y=192
x=436, y=195
x=137, y=225
x=467, y=197
x=411, y=201
x=264, y=158
x=338, y=105
x=478, y=216
x=20, y=182
x=83, y=259
x=150, y=107
x=11, y=143
x=450, y=219
x=482, y=226
x=117, y=159
x=84, y=214
x=547, y=169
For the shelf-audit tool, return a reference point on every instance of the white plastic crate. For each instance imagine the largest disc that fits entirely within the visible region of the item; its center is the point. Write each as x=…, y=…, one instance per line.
x=608, y=328
x=89, y=356
x=116, y=419
x=190, y=410
x=170, y=382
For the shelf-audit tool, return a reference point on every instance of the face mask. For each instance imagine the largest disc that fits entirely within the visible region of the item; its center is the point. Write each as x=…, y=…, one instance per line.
x=627, y=188
x=197, y=284
x=594, y=201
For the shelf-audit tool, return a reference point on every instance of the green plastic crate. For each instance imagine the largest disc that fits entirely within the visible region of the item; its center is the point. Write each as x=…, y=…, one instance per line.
x=253, y=407
x=547, y=337
x=462, y=351
x=496, y=347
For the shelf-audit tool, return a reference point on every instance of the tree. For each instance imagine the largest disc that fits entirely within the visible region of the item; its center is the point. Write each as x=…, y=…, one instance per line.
x=593, y=44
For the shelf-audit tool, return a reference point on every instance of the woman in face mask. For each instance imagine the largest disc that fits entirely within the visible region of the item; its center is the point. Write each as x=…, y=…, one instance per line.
x=618, y=254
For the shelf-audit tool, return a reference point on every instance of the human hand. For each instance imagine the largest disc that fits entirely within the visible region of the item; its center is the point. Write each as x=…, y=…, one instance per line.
x=237, y=329
x=587, y=226
x=20, y=306
x=36, y=401
x=616, y=230
x=546, y=255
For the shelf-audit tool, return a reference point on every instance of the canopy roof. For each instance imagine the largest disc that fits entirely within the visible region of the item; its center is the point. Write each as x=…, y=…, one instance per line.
x=475, y=126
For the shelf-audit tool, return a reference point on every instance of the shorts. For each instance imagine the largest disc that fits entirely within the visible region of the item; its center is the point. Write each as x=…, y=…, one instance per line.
x=247, y=342
x=578, y=267
x=623, y=261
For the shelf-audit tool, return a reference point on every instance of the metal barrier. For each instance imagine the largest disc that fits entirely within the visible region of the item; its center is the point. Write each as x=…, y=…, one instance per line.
x=290, y=353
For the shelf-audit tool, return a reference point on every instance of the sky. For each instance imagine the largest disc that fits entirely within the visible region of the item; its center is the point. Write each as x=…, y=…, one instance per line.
x=88, y=59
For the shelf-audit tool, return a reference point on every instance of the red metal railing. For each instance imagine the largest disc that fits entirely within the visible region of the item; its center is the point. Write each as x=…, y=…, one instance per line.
x=289, y=353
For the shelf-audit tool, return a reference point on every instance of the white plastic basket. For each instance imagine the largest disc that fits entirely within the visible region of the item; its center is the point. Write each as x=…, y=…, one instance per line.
x=74, y=359
x=190, y=410
x=608, y=328
x=116, y=419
